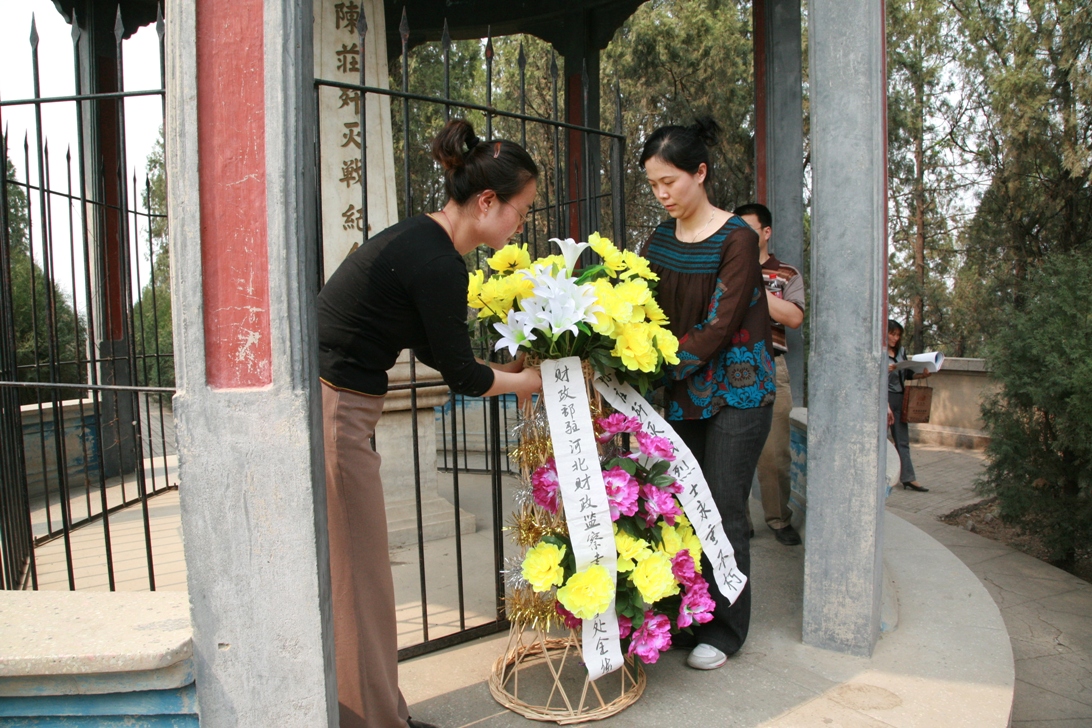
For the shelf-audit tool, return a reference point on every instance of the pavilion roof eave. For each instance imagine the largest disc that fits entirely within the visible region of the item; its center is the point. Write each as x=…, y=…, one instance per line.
x=466, y=19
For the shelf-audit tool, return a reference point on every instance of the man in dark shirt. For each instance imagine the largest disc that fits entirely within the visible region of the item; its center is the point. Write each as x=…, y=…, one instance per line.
x=785, y=296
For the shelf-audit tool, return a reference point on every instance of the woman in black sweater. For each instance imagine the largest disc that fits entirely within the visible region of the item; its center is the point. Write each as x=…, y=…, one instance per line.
x=405, y=288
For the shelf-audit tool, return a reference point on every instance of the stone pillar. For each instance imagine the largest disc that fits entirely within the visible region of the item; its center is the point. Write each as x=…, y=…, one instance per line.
x=240, y=156
x=784, y=153
x=341, y=138
x=848, y=378
x=394, y=439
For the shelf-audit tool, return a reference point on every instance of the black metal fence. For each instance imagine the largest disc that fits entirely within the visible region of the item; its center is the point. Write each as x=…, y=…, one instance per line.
x=580, y=191
x=86, y=363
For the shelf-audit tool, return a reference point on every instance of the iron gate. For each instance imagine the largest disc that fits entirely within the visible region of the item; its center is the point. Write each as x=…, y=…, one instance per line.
x=86, y=363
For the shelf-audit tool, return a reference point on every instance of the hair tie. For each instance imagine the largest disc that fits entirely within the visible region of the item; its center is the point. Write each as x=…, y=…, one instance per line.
x=472, y=142
x=496, y=150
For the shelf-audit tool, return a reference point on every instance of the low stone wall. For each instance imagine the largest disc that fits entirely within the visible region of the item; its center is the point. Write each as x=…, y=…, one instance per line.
x=96, y=658
x=958, y=390
x=798, y=468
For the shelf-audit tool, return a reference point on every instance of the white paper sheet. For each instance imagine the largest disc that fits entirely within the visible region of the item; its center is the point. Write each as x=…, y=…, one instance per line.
x=930, y=361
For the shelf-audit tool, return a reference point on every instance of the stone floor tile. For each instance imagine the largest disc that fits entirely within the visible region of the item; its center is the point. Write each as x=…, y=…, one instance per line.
x=1031, y=702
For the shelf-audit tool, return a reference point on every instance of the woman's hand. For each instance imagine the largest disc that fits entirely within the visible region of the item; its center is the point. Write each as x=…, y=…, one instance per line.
x=523, y=383
x=923, y=374
x=890, y=367
x=529, y=383
x=513, y=367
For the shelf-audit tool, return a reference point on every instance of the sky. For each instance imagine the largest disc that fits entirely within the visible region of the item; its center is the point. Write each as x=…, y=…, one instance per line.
x=143, y=115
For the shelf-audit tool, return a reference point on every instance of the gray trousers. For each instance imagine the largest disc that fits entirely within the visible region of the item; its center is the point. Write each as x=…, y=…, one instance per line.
x=727, y=446
x=900, y=433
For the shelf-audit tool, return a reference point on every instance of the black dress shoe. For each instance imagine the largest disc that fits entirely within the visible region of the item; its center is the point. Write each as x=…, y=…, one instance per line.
x=911, y=485
x=420, y=724
x=787, y=536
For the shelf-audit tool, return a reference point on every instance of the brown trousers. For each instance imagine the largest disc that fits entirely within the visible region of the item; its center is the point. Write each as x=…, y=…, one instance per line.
x=365, y=631
x=773, y=464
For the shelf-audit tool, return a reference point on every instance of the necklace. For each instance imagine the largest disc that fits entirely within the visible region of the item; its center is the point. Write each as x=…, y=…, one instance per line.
x=697, y=236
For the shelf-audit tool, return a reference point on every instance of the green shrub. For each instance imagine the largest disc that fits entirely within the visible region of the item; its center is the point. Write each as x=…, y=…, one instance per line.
x=1040, y=422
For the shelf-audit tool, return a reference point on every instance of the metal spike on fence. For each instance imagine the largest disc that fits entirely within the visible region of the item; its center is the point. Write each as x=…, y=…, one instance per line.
x=403, y=28
x=362, y=23
x=76, y=32
x=119, y=26
x=445, y=37
x=617, y=108
x=160, y=26
x=553, y=65
x=33, y=32
x=522, y=59
x=489, y=41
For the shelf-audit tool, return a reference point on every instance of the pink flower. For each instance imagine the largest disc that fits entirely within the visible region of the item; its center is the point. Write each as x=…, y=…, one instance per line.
x=659, y=503
x=617, y=423
x=697, y=605
x=622, y=490
x=656, y=447
x=544, y=486
x=651, y=639
x=571, y=620
x=682, y=566
x=625, y=626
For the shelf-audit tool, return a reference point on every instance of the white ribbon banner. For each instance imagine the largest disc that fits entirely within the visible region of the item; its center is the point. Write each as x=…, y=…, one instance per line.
x=696, y=498
x=587, y=510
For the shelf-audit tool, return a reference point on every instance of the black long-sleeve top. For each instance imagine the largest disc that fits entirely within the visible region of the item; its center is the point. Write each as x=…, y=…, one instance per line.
x=403, y=289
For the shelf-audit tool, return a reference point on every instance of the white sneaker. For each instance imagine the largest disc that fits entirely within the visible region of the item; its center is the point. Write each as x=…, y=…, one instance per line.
x=706, y=657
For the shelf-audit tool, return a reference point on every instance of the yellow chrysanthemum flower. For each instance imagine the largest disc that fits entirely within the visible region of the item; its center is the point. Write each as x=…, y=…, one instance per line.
x=612, y=256
x=637, y=266
x=693, y=545
x=521, y=287
x=499, y=293
x=635, y=292
x=630, y=550
x=633, y=345
x=510, y=258
x=614, y=309
x=474, y=289
x=542, y=566
x=655, y=314
x=653, y=578
x=672, y=540
x=667, y=345
x=690, y=541
x=588, y=593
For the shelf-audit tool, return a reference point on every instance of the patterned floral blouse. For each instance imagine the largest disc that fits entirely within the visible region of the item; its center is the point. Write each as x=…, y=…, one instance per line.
x=712, y=291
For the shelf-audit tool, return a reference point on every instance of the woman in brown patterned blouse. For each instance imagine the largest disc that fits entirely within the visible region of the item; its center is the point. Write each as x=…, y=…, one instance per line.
x=718, y=398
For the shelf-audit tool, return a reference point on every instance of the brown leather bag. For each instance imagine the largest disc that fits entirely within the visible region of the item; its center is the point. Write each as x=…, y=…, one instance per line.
x=916, y=403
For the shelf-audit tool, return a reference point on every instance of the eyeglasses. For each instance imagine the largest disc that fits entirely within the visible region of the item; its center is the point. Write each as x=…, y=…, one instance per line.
x=522, y=216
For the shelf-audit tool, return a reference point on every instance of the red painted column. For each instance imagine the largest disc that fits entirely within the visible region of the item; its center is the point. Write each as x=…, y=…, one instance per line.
x=758, y=19
x=234, y=236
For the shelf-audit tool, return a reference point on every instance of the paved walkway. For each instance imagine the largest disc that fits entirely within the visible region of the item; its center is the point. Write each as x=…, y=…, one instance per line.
x=1047, y=611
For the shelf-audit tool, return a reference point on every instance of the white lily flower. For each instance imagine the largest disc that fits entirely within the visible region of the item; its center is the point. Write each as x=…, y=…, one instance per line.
x=570, y=250
x=516, y=333
x=559, y=304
